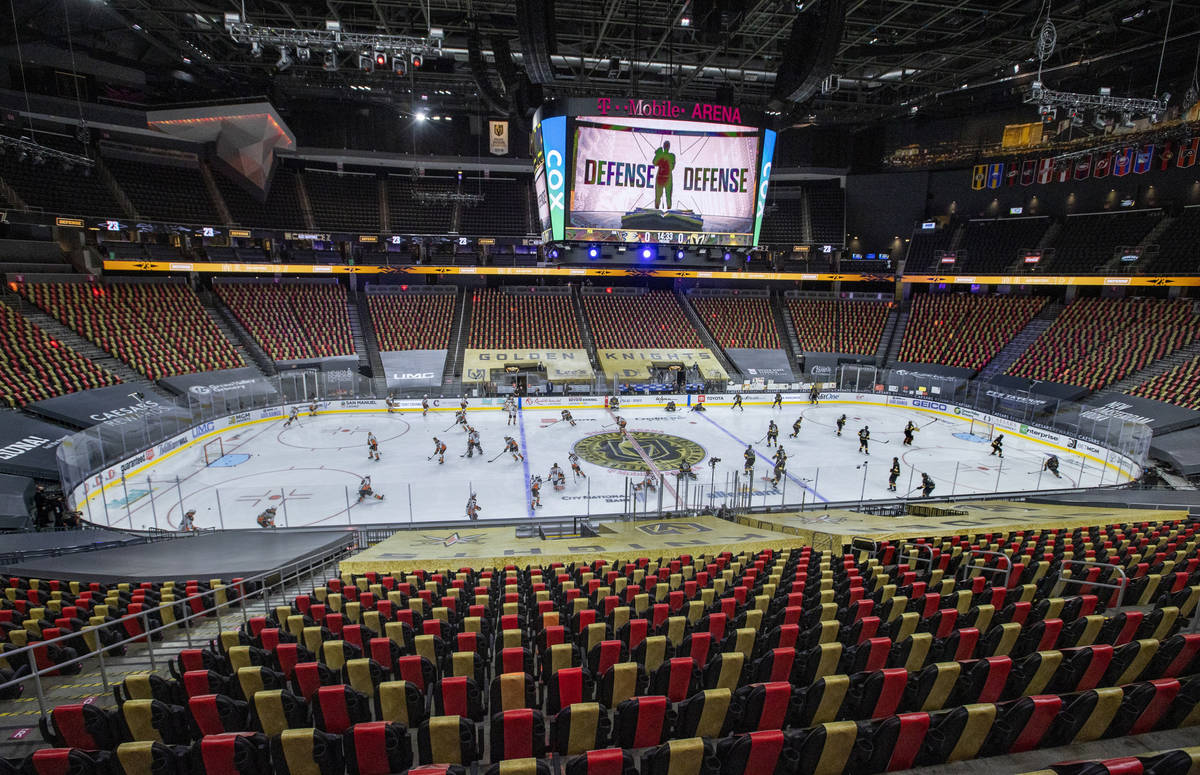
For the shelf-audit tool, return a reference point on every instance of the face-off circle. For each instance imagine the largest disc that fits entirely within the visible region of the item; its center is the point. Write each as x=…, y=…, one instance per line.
x=612, y=450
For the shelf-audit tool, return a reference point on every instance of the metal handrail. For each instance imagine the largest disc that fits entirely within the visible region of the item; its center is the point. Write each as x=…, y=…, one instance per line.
x=872, y=552
x=1007, y=570
x=1120, y=572
x=916, y=556
x=240, y=589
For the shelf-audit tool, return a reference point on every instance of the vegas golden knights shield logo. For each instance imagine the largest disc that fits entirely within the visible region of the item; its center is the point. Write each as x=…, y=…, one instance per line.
x=498, y=137
x=612, y=450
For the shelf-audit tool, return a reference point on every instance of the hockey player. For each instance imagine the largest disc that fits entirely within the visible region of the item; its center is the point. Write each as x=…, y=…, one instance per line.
x=267, y=517
x=510, y=446
x=698, y=407
x=909, y=430
x=814, y=394
x=424, y=405
x=749, y=457
x=737, y=403
x=796, y=428
x=573, y=459
x=648, y=483
x=473, y=508
x=780, y=454
x=670, y=407
x=473, y=442
x=780, y=470
x=463, y=404
x=998, y=446
x=510, y=406
x=685, y=471
x=312, y=409
x=772, y=434
x=841, y=423
x=864, y=440
x=188, y=523
x=557, y=479
x=778, y=402
x=460, y=418
x=535, y=490
x=372, y=446
x=926, y=485
x=614, y=404
x=366, y=491
x=566, y=417
x=621, y=425
x=439, y=451
x=293, y=417
x=1051, y=465
x=392, y=404
x=893, y=474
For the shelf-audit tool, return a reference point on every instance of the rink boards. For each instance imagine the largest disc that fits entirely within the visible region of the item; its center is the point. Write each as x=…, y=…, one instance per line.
x=1122, y=467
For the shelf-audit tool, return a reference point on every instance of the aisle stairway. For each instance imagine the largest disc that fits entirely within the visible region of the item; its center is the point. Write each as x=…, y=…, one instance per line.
x=251, y=353
x=1017, y=346
x=893, y=346
x=705, y=337
x=356, y=335
x=458, y=337
x=585, y=331
x=362, y=314
x=84, y=347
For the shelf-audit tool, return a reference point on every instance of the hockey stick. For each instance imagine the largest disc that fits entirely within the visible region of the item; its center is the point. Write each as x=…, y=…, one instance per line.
x=497, y=457
x=931, y=422
x=451, y=425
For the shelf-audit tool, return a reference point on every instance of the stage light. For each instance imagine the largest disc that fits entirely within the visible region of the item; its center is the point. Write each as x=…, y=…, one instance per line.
x=255, y=49
x=331, y=63
x=678, y=255
x=554, y=254
x=380, y=59
x=303, y=53
x=420, y=115
x=728, y=255
x=416, y=60
x=593, y=252
x=284, y=61
x=366, y=63
x=646, y=253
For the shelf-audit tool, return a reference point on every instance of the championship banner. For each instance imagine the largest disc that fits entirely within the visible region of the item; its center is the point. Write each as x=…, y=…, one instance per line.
x=761, y=364
x=1045, y=170
x=1083, y=166
x=559, y=365
x=978, y=177
x=1062, y=170
x=1143, y=160
x=1187, y=152
x=1028, y=172
x=1165, y=154
x=995, y=175
x=413, y=368
x=1123, y=161
x=1103, y=165
x=498, y=137
x=636, y=365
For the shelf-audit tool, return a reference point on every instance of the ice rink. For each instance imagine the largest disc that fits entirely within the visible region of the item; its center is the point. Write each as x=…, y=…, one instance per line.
x=310, y=471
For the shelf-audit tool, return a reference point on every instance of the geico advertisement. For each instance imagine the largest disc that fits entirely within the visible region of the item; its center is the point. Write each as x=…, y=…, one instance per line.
x=681, y=176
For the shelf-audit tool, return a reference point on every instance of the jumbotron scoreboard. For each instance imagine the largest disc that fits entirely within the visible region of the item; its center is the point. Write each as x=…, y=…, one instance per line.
x=651, y=171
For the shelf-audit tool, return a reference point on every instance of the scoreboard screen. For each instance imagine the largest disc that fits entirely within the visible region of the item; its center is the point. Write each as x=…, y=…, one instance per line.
x=651, y=172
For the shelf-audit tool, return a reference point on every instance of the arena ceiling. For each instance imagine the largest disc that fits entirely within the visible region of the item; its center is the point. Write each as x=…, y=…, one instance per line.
x=945, y=57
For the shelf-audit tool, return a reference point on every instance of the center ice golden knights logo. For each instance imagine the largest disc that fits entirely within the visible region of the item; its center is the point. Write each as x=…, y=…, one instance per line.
x=612, y=450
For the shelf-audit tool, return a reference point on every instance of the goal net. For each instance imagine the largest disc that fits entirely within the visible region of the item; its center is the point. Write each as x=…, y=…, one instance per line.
x=214, y=450
x=982, y=429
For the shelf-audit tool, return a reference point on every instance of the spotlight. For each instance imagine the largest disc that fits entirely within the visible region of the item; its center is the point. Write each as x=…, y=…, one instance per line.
x=1099, y=122
x=416, y=60
x=728, y=255
x=331, y=63
x=593, y=252
x=399, y=65
x=678, y=255
x=284, y=61
x=646, y=253
x=380, y=60
x=554, y=254
x=1127, y=120
x=255, y=49
x=366, y=63
x=303, y=54
x=420, y=115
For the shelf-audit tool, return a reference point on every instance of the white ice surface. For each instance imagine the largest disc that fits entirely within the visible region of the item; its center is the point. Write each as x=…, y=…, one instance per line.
x=311, y=471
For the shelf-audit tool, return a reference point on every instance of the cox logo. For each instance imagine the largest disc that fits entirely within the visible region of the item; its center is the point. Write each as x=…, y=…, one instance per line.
x=929, y=405
x=202, y=429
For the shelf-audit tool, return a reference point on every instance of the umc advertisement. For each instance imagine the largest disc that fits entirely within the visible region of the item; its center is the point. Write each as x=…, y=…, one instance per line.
x=663, y=181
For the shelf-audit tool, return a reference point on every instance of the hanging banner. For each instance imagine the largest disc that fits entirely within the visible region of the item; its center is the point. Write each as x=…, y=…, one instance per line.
x=498, y=137
x=1045, y=170
x=1187, y=152
x=1103, y=165
x=1028, y=172
x=1143, y=160
x=413, y=368
x=1165, y=155
x=1123, y=161
x=1083, y=166
x=995, y=175
x=978, y=177
x=1012, y=172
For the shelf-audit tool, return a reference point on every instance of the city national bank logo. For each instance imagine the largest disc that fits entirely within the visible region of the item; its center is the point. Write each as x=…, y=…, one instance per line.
x=673, y=528
x=454, y=539
x=612, y=450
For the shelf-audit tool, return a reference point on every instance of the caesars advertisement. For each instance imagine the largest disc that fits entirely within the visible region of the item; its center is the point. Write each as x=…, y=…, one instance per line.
x=684, y=182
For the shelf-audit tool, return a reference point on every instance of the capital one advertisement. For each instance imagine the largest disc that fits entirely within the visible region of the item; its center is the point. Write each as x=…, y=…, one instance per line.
x=645, y=179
